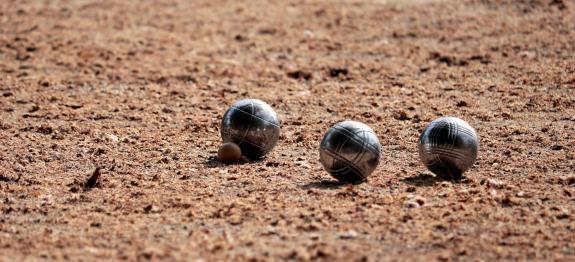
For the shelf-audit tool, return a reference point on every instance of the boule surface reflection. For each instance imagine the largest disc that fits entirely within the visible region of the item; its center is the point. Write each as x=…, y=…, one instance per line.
x=350, y=151
x=448, y=147
x=253, y=125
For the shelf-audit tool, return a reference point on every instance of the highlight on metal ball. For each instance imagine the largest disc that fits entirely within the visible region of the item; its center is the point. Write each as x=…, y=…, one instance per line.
x=253, y=125
x=350, y=151
x=448, y=147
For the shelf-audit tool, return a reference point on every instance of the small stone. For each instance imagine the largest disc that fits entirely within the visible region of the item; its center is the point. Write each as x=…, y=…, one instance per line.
x=523, y=194
x=112, y=138
x=494, y=183
x=235, y=220
x=308, y=34
x=151, y=209
x=412, y=204
x=350, y=234
x=270, y=230
x=445, y=184
x=527, y=54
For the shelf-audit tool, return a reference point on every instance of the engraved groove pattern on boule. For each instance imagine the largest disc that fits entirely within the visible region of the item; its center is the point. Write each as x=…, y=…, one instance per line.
x=447, y=152
x=448, y=147
x=348, y=167
x=252, y=114
x=352, y=135
x=350, y=151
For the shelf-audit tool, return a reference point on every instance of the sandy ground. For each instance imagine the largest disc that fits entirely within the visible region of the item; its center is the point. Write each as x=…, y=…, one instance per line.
x=138, y=89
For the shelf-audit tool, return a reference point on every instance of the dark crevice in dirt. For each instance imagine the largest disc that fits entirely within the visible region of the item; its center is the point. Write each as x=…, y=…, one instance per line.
x=300, y=75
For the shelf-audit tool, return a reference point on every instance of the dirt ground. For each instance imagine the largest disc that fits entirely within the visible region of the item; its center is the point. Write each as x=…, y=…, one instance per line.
x=138, y=89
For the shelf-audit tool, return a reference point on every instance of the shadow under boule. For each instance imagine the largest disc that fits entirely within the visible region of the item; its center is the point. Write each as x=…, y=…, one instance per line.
x=423, y=179
x=213, y=162
x=324, y=184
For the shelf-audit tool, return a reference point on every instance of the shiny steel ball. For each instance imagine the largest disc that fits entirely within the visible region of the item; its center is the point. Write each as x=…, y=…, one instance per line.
x=448, y=147
x=350, y=151
x=253, y=125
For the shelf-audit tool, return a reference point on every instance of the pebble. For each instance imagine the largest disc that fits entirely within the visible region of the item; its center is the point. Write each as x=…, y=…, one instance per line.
x=412, y=204
x=112, y=138
x=494, y=183
x=523, y=194
x=528, y=54
x=350, y=234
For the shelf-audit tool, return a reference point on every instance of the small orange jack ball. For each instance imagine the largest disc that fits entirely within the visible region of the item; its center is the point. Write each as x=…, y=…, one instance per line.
x=229, y=153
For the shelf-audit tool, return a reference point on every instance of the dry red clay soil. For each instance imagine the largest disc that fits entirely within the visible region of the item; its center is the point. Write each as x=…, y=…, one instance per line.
x=110, y=114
